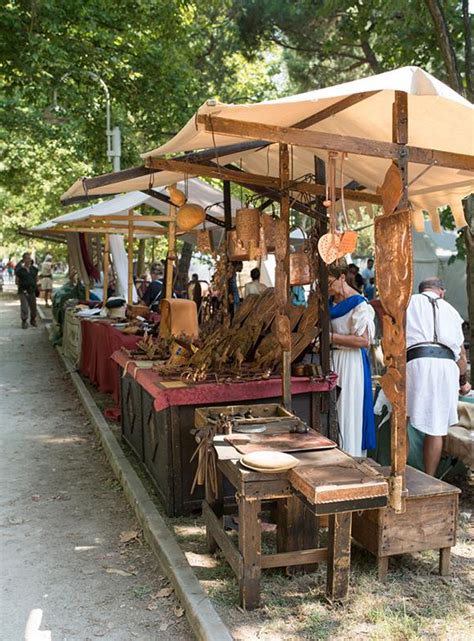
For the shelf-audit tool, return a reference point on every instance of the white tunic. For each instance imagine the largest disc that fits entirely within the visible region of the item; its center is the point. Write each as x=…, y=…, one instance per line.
x=347, y=363
x=433, y=383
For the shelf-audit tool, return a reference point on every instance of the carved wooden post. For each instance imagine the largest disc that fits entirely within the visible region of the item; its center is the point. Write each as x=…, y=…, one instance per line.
x=106, y=269
x=282, y=275
x=393, y=251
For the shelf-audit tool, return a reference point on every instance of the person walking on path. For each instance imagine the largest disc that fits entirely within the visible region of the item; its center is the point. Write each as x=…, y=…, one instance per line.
x=436, y=367
x=47, y=279
x=26, y=276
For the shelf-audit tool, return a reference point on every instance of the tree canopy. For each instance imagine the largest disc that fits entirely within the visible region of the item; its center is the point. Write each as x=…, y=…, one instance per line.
x=162, y=60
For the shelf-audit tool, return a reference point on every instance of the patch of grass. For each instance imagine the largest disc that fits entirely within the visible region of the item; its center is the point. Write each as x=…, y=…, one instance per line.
x=142, y=591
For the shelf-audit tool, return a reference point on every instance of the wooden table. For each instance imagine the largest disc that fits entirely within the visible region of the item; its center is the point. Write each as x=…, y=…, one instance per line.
x=334, y=493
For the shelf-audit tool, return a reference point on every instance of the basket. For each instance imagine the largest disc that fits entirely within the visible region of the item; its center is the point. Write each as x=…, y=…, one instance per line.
x=247, y=225
x=269, y=229
x=300, y=265
x=236, y=251
x=204, y=241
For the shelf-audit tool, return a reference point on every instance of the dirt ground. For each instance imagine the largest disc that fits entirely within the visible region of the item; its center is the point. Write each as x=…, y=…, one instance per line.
x=73, y=565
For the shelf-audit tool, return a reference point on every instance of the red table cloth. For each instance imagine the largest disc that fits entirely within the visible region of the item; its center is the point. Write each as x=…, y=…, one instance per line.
x=99, y=341
x=203, y=393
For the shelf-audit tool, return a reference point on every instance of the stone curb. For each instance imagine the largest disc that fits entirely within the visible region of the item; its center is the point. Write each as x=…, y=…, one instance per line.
x=203, y=618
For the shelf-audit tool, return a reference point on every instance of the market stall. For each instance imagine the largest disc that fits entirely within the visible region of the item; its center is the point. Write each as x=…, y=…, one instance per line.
x=406, y=159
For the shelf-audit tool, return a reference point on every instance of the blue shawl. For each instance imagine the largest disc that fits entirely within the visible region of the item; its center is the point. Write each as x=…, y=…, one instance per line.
x=368, y=421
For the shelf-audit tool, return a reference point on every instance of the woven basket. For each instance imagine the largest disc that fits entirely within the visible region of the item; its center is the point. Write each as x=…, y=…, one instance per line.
x=247, y=225
x=300, y=268
x=204, y=242
x=269, y=228
x=235, y=250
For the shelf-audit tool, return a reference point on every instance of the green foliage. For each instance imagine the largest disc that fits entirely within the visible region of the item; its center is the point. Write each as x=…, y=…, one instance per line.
x=159, y=60
x=447, y=221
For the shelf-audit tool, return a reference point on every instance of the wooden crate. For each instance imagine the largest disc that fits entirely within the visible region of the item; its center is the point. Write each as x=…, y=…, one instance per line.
x=131, y=411
x=429, y=522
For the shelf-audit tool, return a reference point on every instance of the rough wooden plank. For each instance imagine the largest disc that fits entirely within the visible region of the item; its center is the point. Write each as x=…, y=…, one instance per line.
x=367, y=530
x=288, y=559
x=339, y=555
x=232, y=555
x=211, y=171
x=297, y=528
x=333, y=142
x=382, y=567
x=250, y=550
x=337, y=107
x=317, y=189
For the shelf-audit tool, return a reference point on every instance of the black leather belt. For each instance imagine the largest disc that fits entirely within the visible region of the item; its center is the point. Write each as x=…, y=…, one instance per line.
x=430, y=351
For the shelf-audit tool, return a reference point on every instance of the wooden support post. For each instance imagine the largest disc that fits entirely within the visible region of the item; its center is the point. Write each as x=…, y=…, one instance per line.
x=106, y=268
x=87, y=286
x=282, y=274
x=250, y=548
x=130, y=257
x=444, y=561
x=297, y=529
x=227, y=206
x=226, y=311
x=339, y=554
x=171, y=255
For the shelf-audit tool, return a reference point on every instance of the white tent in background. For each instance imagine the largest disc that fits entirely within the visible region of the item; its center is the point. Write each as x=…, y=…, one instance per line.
x=431, y=254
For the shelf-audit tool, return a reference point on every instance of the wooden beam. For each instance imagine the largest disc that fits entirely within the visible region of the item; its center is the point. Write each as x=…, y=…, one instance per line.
x=163, y=218
x=227, y=205
x=334, y=142
x=171, y=255
x=107, y=230
x=130, y=257
x=339, y=106
x=106, y=268
x=115, y=177
x=282, y=274
x=211, y=171
x=350, y=194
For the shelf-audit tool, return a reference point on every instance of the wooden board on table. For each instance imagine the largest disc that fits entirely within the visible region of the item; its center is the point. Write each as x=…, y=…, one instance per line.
x=172, y=384
x=288, y=442
x=335, y=483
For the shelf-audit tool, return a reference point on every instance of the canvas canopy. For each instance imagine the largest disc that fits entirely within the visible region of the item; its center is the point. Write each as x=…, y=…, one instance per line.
x=439, y=119
x=198, y=192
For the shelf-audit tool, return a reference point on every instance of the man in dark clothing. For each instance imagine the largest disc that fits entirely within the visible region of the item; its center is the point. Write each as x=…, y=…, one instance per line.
x=26, y=278
x=155, y=290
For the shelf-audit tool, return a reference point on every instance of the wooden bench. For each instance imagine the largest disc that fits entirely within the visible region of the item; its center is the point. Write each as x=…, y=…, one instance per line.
x=328, y=482
x=429, y=522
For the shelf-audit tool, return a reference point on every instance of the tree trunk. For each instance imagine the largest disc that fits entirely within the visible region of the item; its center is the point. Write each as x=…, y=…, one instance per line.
x=467, y=48
x=447, y=50
x=183, y=267
x=141, y=257
x=468, y=204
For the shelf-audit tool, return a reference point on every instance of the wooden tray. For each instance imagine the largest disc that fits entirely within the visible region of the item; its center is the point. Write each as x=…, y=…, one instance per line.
x=288, y=442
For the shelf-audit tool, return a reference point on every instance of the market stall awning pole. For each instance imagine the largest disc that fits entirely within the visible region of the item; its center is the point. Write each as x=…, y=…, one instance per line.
x=130, y=256
x=171, y=255
x=106, y=268
x=282, y=285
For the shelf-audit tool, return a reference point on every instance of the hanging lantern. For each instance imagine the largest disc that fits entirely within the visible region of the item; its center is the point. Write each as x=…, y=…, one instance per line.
x=189, y=216
x=177, y=197
x=247, y=225
x=235, y=250
x=269, y=228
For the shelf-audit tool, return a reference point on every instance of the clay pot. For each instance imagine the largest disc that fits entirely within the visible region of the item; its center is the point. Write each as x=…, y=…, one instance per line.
x=177, y=197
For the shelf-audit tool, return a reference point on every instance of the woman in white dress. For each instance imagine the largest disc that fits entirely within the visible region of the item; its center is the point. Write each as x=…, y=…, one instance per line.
x=352, y=332
x=47, y=278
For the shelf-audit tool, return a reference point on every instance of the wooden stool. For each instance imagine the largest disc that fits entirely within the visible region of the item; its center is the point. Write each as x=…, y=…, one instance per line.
x=429, y=522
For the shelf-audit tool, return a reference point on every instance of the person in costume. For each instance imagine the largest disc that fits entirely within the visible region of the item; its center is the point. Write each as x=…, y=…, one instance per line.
x=436, y=367
x=47, y=279
x=352, y=332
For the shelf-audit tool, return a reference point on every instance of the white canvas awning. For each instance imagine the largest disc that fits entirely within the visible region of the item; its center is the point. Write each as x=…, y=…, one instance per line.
x=438, y=118
x=198, y=192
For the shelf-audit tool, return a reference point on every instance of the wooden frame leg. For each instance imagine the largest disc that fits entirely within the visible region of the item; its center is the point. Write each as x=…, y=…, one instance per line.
x=444, y=561
x=297, y=529
x=382, y=567
x=250, y=545
x=339, y=555
x=216, y=503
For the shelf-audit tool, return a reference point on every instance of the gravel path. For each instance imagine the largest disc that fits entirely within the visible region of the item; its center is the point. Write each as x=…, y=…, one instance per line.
x=73, y=565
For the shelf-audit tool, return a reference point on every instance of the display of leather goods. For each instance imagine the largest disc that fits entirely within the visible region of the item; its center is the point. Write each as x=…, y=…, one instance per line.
x=133, y=311
x=268, y=461
x=178, y=318
x=190, y=216
x=391, y=189
x=235, y=250
x=269, y=230
x=177, y=197
x=204, y=241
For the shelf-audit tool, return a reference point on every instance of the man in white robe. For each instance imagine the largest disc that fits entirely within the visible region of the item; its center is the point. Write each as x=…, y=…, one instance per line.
x=436, y=367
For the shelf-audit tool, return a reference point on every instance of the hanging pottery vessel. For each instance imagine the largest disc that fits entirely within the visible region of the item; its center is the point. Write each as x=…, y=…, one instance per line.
x=189, y=216
x=177, y=197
